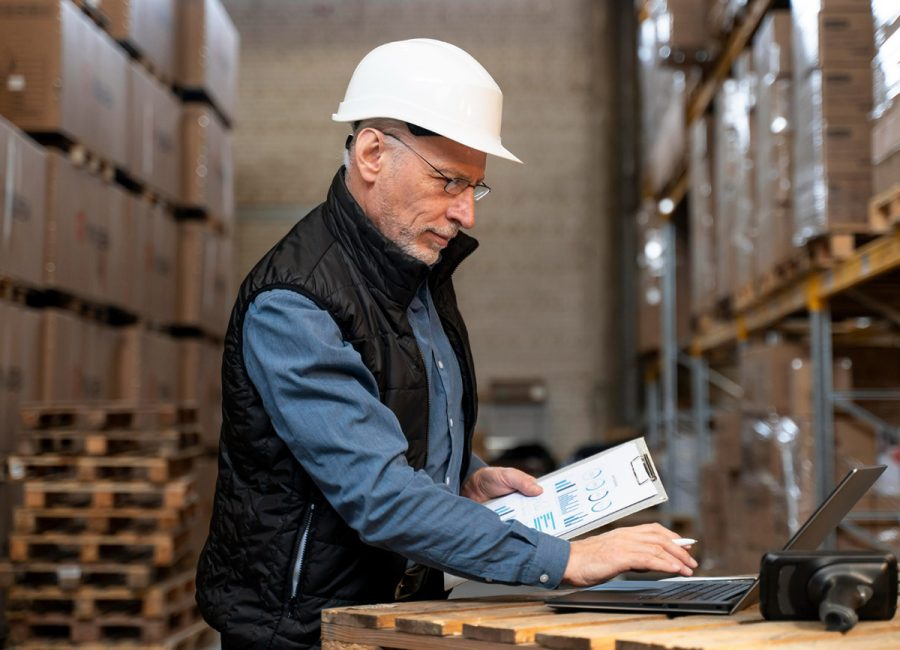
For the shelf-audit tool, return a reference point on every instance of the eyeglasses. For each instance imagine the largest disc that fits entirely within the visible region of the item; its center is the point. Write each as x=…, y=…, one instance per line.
x=454, y=186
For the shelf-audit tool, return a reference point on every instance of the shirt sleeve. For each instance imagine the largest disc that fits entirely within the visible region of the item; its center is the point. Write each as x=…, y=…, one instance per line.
x=475, y=464
x=324, y=404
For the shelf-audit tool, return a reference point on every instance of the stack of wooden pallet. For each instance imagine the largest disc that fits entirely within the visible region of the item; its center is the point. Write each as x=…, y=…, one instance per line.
x=101, y=550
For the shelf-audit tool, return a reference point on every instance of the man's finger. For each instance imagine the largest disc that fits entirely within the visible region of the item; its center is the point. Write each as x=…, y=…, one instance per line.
x=522, y=482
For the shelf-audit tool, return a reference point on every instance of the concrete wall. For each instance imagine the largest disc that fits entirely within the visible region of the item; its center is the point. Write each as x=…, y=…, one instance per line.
x=539, y=295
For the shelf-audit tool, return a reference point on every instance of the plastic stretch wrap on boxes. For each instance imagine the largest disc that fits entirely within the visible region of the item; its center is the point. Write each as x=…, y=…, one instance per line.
x=664, y=93
x=832, y=153
x=886, y=69
x=702, y=218
x=733, y=167
x=63, y=74
x=773, y=140
x=23, y=195
x=745, y=221
x=147, y=27
x=831, y=34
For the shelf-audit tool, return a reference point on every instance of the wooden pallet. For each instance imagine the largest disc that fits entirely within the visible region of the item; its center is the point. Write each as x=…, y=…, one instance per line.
x=164, y=442
x=745, y=296
x=160, y=549
x=68, y=575
x=103, y=468
x=84, y=603
x=107, y=415
x=105, y=628
x=501, y=624
x=104, y=520
x=109, y=494
x=884, y=210
x=194, y=637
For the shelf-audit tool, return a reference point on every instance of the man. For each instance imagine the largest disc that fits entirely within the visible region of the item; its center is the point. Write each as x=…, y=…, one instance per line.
x=345, y=470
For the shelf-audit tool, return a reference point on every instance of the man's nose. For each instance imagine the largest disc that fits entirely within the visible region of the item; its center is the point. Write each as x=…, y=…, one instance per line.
x=462, y=209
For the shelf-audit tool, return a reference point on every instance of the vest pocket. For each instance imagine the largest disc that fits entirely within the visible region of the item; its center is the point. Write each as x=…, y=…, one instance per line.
x=300, y=553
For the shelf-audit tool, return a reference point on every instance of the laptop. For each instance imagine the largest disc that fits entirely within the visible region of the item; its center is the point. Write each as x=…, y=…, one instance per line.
x=720, y=595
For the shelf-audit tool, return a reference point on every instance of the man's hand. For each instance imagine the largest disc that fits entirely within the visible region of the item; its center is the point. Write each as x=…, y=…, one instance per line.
x=639, y=548
x=490, y=482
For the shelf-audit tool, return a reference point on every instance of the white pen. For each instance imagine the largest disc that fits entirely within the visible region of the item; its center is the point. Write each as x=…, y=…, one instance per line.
x=685, y=541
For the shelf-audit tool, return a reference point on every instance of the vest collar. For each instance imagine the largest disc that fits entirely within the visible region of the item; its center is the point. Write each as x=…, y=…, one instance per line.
x=386, y=267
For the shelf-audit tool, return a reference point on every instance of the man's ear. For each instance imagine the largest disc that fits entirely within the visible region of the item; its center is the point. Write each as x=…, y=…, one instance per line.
x=368, y=153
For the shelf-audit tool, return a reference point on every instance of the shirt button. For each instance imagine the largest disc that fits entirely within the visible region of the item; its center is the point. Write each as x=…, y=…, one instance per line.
x=447, y=480
x=451, y=422
x=544, y=578
x=440, y=364
x=488, y=580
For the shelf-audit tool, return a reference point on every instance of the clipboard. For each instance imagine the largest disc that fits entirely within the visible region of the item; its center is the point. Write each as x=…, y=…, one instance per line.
x=586, y=495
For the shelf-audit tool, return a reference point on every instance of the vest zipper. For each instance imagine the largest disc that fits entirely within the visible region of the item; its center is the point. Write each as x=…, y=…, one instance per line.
x=301, y=551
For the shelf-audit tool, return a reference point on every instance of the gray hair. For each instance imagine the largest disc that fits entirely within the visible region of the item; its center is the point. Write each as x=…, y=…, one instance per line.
x=379, y=123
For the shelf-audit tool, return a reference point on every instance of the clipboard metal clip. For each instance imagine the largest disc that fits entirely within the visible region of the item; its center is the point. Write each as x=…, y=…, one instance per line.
x=643, y=469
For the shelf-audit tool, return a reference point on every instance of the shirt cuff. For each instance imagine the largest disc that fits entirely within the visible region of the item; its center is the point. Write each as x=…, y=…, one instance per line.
x=550, y=559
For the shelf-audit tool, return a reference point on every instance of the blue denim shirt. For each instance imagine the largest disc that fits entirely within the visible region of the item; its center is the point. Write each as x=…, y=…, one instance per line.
x=324, y=404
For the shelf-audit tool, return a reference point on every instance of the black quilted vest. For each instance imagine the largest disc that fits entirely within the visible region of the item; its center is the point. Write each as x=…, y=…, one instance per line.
x=264, y=499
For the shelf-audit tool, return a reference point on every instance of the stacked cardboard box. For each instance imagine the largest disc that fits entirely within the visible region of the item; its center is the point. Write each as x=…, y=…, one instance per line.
x=200, y=367
x=207, y=169
x=146, y=27
x=683, y=35
x=147, y=366
x=730, y=139
x=63, y=76
x=833, y=44
x=22, y=206
x=154, y=248
x=204, y=278
x=702, y=240
x=741, y=125
x=208, y=45
x=154, y=138
x=773, y=140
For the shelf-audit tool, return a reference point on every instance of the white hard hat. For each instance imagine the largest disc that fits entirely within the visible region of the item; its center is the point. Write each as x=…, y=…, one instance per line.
x=433, y=85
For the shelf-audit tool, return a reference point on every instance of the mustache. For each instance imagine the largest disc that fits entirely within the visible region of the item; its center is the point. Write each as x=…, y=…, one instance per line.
x=450, y=233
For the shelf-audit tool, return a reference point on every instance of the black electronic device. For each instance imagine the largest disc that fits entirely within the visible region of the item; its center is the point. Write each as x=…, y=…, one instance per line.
x=720, y=595
x=837, y=587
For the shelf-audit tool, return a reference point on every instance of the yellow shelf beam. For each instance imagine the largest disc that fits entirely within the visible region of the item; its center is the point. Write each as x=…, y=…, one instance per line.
x=737, y=41
x=868, y=262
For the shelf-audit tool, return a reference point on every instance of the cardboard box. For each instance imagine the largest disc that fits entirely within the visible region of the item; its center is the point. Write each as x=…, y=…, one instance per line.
x=23, y=195
x=85, y=233
x=146, y=27
x=831, y=36
x=148, y=366
x=200, y=382
x=727, y=438
x=886, y=174
x=61, y=356
x=208, y=46
x=205, y=295
x=765, y=375
x=207, y=181
x=19, y=366
x=154, y=129
x=154, y=285
x=63, y=75
x=702, y=240
x=886, y=134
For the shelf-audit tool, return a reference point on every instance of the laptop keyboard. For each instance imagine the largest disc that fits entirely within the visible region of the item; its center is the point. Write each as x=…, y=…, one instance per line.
x=718, y=592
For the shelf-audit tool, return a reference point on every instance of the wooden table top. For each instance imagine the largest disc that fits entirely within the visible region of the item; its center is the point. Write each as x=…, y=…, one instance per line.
x=504, y=622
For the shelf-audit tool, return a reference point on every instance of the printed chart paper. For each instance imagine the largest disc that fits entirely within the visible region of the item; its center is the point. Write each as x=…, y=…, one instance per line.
x=585, y=495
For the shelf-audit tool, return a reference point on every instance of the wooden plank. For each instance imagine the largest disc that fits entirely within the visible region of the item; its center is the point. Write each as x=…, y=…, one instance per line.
x=384, y=615
x=524, y=629
x=448, y=623
x=345, y=637
x=757, y=634
x=605, y=637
